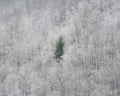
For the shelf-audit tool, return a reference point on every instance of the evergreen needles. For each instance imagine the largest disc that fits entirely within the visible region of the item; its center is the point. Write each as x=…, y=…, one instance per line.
x=59, y=49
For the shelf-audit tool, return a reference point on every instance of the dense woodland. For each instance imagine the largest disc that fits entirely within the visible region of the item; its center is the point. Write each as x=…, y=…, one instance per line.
x=30, y=46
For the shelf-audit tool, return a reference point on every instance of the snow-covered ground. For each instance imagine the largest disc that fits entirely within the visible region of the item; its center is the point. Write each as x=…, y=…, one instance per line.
x=29, y=30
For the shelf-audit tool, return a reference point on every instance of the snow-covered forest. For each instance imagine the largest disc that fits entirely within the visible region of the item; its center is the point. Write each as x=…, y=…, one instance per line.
x=89, y=64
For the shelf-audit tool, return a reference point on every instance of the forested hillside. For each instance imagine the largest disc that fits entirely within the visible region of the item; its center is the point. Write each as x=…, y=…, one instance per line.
x=59, y=47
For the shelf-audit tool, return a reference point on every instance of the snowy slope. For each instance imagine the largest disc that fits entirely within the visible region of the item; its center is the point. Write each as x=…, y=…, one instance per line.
x=29, y=30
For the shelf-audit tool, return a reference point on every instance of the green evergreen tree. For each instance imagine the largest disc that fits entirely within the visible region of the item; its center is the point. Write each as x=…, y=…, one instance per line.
x=59, y=48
